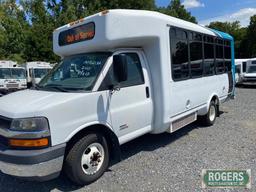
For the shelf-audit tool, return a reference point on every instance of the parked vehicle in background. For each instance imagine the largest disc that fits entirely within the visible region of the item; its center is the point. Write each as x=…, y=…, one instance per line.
x=250, y=76
x=12, y=78
x=119, y=79
x=245, y=71
x=240, y=69
x=36, y=70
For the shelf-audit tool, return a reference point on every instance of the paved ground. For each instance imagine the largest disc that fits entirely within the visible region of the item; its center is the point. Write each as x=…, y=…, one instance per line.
x=173, y=162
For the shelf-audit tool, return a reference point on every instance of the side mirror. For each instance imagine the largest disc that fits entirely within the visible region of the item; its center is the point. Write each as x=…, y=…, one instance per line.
x=120, y=67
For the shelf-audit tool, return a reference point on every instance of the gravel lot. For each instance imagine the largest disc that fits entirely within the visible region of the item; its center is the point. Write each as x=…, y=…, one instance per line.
x=173, y=162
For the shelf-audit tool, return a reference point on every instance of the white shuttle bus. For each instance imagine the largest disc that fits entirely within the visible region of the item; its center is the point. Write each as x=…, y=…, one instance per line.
x=12, y=78
x=36, y=70
x=249, y=76
x=240, y=65
x=124, y=73
x=245, y=71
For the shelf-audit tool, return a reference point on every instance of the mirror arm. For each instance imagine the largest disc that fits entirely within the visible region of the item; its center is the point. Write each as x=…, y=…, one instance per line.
x=114, y=88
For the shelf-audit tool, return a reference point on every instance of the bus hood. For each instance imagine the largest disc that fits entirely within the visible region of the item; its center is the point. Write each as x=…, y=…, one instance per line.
x=31, y=103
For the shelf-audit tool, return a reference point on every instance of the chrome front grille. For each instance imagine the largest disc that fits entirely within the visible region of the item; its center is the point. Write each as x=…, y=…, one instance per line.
x=13, y=86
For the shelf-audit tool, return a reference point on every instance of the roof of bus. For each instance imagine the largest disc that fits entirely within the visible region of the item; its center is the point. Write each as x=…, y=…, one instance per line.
x=222, y=34
x=156, y=15
x=126, y=28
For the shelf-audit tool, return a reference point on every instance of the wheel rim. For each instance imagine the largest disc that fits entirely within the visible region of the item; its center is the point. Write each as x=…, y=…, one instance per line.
x=92, y=158
x=212, y=113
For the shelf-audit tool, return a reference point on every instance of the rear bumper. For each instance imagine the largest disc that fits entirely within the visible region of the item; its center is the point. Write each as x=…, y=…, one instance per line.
x=39, y=165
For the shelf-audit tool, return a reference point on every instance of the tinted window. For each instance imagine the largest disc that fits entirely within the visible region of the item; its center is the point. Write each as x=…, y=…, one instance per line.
x=227, y=55
x=219, y=59
x=209, y=68
x=238, y=69
x=244, y=66
x=179, y=53
x=196, y=56
x=135, y=74
x=254, y=62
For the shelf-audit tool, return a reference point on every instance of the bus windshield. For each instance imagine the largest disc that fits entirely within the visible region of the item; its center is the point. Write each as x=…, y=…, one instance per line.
x=18, y=73
x=252, y=69
x=40, y=72
x=12, y=73
x=5, y=73
x=77, y=72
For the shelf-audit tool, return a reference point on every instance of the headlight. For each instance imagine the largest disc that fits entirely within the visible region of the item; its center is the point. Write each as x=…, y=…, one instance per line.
x=30, y=124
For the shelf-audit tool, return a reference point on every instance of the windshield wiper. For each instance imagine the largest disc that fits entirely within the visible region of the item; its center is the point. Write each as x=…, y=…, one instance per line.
x=56, y=87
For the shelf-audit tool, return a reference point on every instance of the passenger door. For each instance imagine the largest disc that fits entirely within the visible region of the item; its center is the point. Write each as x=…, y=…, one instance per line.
x=131, y=107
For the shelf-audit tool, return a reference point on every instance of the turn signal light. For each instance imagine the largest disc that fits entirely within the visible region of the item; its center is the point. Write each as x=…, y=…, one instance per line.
x=29, y=142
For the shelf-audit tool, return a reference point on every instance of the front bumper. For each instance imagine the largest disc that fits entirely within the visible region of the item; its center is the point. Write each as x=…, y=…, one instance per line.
x=10, y=90
x=39, y=165
x=249, y=80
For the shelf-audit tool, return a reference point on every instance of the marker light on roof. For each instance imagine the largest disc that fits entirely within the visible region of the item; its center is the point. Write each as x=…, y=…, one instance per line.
x=105, y=12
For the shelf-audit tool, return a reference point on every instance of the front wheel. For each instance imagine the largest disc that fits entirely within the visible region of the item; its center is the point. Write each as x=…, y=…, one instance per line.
x=87, y=160
x=210, y=117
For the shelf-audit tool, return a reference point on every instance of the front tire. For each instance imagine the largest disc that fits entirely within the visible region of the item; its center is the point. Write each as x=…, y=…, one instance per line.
x=210, y=117
x=87, y=160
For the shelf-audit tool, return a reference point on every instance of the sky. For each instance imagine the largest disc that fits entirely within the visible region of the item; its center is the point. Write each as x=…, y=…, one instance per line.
x=207, y=11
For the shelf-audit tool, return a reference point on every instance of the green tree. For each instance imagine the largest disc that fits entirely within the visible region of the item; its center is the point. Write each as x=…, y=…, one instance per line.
x=69, y=10
x=234, y=29
x=39, y=39
x=176, y=9
x=13, y=28
x=251, y=37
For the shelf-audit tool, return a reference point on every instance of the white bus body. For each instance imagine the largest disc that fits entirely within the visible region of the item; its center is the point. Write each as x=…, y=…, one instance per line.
x=240, y=69
x=118, y=80
x=36, y=70
x=245, y=71
x=12, y=78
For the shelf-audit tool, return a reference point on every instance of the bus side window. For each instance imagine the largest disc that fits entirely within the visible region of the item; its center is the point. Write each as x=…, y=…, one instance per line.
x=179, y=54
x=209, y=67
x=238, y=70
x=227, y=56
x=220, y=68
x=196, y=55
x=244, y=66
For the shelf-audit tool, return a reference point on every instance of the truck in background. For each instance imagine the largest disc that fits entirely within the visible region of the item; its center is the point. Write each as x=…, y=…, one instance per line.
x=36, y=70
x=12, y=78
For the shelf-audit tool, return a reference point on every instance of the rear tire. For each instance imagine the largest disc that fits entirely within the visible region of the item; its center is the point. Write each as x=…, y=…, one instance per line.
x=210, y=117
x=87, y=160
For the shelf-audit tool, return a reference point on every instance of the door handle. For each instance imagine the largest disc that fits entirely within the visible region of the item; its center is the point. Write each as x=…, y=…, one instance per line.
x=147, y=92
x=188, y=104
